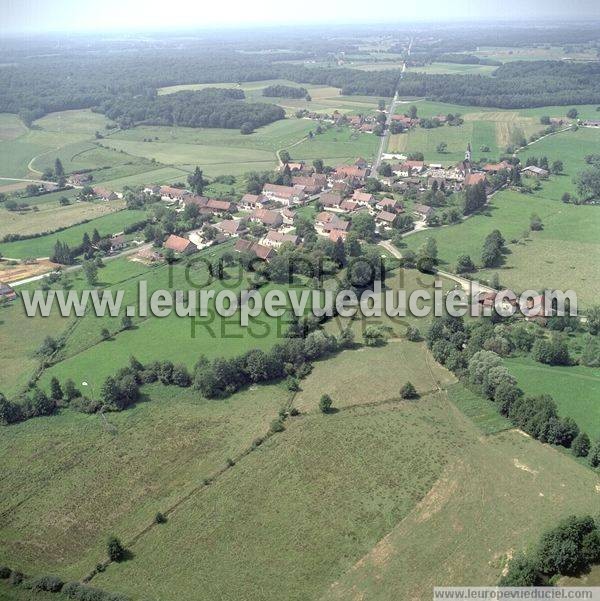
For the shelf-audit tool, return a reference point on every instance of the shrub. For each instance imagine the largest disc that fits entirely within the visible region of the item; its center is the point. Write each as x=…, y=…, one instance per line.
x=581, y=445
x=4, y=572
x=52, y=584
x=408, y=391
x=15, y=577
x=413, y=334
x=160, y=518
x=277, y=425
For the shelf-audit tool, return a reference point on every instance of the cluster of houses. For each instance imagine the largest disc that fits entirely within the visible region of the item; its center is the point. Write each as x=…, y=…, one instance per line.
x=340, y=193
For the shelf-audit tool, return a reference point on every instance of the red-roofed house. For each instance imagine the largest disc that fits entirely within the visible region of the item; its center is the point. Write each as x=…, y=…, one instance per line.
x=472, y=179
x=180, y=245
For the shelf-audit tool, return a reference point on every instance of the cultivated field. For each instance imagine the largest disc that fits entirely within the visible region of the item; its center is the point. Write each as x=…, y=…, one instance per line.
x=454, y=69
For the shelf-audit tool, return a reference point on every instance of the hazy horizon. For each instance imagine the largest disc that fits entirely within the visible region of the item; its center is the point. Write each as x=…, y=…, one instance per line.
x=70, y=16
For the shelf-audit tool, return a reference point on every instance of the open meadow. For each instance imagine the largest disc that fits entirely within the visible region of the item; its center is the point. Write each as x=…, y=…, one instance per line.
x=551, y=258
x=469, y=495
x=51, y=215
x=574, y=388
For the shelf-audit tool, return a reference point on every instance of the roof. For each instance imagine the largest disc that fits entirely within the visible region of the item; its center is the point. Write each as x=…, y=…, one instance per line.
x=348, y=205
x=231, y=226
x=175, y=192
x=334, y=235
x=351, y=171
x=386, y=216
x=494, y=167
x=117, y=240
x=536, y=170
x=331, y=199
x=177, y=243
x=267, y=216
x=472, y=179
x=423, y=209
x=362, y=196
x=284, y=191
x=262, y=252
x=275, y=236
x=253, y=198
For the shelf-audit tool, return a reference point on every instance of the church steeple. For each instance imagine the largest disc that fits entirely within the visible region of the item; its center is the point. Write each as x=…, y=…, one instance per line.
x=468, y=153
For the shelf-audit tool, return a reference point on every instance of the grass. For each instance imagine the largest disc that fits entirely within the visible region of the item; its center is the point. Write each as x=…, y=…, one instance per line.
x=226, y=151
x=551, y=258
x=454, y=69
x=493, y=128
x=343, y=502
x=409, y=361
x=480, y=411
x=43, y=245
x=115, y=482
x=325, y=99
x=51, y=215
x=575, y=389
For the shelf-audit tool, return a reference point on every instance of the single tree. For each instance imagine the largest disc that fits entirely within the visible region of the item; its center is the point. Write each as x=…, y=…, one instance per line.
x=325, y=403
x=116, y=551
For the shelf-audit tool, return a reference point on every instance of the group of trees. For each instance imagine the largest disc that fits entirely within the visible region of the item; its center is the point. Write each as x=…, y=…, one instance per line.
x=569, y=549
x=283, y=91
x=475, y=353
x=210, y=107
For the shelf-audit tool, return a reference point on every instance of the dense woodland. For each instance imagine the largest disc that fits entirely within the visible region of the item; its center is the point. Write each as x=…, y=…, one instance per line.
x=47, y=77
x=211, y=107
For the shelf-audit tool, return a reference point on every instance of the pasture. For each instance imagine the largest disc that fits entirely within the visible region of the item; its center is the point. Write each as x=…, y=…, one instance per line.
x=114, y=481
x=551, y=258
x=383, y=478
x=226, y=151
x=324, y=99
x=453, y=69
x=50, y=216
x=575, y=389
x=42, y=246
x=493, y=128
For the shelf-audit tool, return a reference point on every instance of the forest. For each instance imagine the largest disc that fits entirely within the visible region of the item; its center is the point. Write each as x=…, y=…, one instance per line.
x=32, y=85
x=211, y=107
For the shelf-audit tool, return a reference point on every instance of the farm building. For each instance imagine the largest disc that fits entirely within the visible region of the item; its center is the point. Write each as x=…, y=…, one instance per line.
x=533, y=171
x=7, y=292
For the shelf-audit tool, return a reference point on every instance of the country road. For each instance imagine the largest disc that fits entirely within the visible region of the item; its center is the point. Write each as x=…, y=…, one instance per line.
x=465, y=283
x=125, y=253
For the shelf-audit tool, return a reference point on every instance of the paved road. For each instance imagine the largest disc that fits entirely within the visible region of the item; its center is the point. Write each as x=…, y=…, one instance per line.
x=464, y=282
x=386, y=136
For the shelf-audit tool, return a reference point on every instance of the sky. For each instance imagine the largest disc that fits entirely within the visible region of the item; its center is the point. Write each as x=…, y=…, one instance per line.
x=138, y=15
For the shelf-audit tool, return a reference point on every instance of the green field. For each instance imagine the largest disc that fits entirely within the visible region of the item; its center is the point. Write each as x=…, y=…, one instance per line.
x=49, y=215
x=115, y=482
x=43, y=245
x=325, y=99
x=226, y=151
x=556, y=257
x=575, y=389
x=494, y=128
x=342, y=503
x=454, y=69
